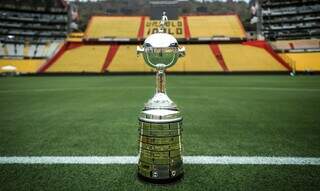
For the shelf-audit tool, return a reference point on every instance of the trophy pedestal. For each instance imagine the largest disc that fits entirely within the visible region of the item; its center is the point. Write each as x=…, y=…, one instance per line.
x=160, y=159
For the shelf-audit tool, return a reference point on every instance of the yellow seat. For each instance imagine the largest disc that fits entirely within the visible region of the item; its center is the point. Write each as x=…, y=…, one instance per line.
x=126, y=60
x=304, y=61
x=218, y=25
x=23, y=65
x=248, y=58
x=199, y=58
x=86, y=58
x=106, y=26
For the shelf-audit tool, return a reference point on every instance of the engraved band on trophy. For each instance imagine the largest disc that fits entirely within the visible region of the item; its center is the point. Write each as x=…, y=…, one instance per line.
x=160, y=146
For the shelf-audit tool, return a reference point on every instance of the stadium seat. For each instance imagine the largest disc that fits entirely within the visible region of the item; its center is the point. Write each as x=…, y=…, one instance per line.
x=10, y=48
x=39, y=51
x=2, y=52
x=248, y=58
x=123, y=27
x=20, y=48
x=32, y=50
x=306, y=44
x=52, y=48
x=26, y=31
x=26, y=50
x=304, y=62
x=296, y=44
x=219, y=25
x=22, y=65
x=86, y=58
x=280, y=45
x=126, y=60
x=199, y=58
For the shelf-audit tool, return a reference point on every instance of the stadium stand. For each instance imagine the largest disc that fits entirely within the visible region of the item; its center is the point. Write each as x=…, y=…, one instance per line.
x=126, y=60
x=73, y=60
x=183, y=27
x=113, y=26
x=290, y=19
x=292, y=27
x=216, y=25
x=240, y=57
x=112, y=50
x=303, y=44
x=304, y=61
x=22, y=65
x=199, y=58
x=214, y=43
x=31, y=31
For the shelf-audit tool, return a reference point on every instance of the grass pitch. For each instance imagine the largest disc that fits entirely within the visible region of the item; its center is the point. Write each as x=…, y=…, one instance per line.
x=223, y=115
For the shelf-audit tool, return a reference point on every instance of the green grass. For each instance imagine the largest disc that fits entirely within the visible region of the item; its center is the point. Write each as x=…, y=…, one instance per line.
x=223, y=115
x=197, y=177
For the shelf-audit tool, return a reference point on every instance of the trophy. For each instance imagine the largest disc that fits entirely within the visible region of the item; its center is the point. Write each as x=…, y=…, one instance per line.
x=160, y=122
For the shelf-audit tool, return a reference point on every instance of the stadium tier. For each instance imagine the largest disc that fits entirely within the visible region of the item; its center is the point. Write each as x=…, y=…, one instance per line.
x=109, y=45
x=30, y=32
x=248, y=58
x=22, y=65
x=199, y=58
x=219, y=25
x=289, y=19
x=111, y=27
x=304, y=61
x=296, y=45
x=9, y=50
x=138, y=27
x=88, y=58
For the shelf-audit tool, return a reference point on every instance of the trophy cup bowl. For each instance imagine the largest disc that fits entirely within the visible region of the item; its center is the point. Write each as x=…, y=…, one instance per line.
x=161, y=51
x=160, y=132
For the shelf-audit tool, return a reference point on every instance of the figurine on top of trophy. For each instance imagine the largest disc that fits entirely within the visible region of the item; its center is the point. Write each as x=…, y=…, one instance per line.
x=160, y=138
x=163, y=21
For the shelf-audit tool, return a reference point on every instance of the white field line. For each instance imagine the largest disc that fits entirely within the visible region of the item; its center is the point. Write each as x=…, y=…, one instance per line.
x=219, y=160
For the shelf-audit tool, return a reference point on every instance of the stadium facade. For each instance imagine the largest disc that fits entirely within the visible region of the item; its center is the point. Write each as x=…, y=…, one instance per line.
x=215, y=43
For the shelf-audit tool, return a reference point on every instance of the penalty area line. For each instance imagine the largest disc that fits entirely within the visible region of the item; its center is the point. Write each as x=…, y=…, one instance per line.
x=218, y=160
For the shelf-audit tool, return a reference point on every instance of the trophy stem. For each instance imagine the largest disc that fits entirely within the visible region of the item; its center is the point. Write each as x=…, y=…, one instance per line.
x=161, y=81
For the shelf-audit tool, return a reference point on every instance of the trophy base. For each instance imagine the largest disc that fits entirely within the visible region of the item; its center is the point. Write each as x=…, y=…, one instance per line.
x=172, y=180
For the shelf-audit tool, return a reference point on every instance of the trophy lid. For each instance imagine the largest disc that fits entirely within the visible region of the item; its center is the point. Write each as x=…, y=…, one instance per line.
x=161, y=40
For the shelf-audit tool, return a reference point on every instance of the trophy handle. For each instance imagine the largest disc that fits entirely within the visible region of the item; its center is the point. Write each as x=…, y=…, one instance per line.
x=182, y=51
x=140, y=50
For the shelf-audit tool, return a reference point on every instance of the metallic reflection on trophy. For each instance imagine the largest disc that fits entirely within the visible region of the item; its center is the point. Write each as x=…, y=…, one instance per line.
x=160, y=145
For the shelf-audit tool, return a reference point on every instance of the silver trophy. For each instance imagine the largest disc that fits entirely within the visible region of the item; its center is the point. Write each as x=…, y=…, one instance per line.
x=160, y=146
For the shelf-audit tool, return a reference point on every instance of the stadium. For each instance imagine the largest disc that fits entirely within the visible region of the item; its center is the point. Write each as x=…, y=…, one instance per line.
x=72, y=86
